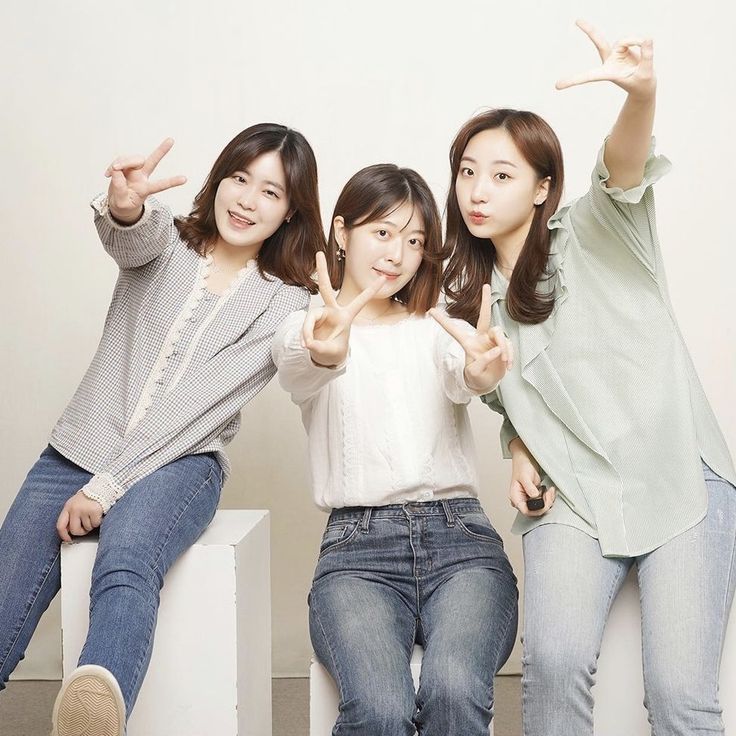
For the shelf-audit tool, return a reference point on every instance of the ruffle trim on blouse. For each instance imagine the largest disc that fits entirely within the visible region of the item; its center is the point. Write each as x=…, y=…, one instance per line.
x=104, y=489
x=101, y=206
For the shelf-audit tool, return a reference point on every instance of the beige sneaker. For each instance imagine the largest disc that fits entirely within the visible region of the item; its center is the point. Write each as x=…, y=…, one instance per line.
x=89, y=704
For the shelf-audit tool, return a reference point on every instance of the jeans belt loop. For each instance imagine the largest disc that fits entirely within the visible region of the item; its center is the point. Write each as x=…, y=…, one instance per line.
x=365, y=524
x=449, y=515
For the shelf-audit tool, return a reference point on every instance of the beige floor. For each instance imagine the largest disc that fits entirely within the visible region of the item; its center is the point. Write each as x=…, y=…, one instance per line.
x=25, y=707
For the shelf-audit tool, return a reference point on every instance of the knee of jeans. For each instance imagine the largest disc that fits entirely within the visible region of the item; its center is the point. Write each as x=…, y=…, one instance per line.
x=390, y=713
x=554, y=659
x=456, y=689
x=123, y=566
x=678, y=703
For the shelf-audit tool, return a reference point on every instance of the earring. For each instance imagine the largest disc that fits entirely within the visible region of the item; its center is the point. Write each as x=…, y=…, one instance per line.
x=288, y=219
x=340, y=254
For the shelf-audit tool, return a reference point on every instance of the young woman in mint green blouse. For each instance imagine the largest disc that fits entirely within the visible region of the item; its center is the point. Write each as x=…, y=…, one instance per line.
x=602, y=405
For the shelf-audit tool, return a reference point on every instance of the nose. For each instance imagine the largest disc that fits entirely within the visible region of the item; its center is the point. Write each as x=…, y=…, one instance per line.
x=394, y=251
x=245, y=197
x=479, y=192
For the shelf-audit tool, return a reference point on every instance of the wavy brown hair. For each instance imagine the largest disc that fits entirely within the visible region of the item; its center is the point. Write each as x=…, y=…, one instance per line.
x=374, y=192
x=471, y=263
x=289, y=253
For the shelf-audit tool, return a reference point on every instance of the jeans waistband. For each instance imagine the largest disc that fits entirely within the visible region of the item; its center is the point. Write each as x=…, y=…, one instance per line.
x=447, y=508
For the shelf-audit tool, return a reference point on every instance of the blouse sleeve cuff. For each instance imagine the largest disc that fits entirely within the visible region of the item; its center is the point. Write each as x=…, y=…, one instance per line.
x=104, y=489
x=102, y=208
x=654, y=169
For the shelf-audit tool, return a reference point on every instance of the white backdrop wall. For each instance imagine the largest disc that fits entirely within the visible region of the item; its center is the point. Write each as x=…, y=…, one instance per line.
x=385, y=81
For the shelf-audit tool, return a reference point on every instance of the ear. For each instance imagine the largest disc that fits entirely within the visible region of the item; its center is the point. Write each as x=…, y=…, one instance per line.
x=341, y=232
x=542, y=191
x=289, y=215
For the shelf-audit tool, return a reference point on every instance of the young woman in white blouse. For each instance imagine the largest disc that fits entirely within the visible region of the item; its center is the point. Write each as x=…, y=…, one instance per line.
x=139, y=451
x=408, y=556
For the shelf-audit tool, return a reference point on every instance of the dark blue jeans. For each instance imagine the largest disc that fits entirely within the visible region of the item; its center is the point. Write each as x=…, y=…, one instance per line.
x=142, y=535
x=389, y=577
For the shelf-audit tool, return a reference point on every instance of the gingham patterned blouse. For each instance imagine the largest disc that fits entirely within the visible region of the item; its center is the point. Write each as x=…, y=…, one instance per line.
x=175, y=363
x=604, y=393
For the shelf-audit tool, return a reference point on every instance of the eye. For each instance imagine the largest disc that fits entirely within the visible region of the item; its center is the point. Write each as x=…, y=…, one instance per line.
x=416, y=243
x=502, y=176
x=382, y=233
x=239, y=178
x=271, y=193
x=467, y=171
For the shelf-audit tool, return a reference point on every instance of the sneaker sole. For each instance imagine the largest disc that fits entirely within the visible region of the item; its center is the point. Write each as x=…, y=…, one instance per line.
x=89, y=707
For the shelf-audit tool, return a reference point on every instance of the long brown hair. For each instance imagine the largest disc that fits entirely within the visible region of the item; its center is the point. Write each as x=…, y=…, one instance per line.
x=375, y=192
x=471, y=263
x=289, y=253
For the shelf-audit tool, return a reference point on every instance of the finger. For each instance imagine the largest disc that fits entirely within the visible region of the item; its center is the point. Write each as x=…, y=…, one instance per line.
x=126, y=163
x=529, y=488
x=484, y=316
x=365, y=296
x=119, y=186
x=162, y=184
x=62, y=524
x=75, y=524
x=309, y=322
x=497, y=335
x=323, y=280
x=596, y=37
x=518, y=497
x=154, y=158
x=483, y=361
x=449, y=326
x=599, y=74
x=86, y=522
x=647, y=55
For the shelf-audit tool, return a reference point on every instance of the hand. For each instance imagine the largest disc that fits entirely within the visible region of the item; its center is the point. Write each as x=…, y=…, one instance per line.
x=524, y=481
x=488, y=352
x=130, y=184
x=79, y=516
x=628, y=64
x=326, y=330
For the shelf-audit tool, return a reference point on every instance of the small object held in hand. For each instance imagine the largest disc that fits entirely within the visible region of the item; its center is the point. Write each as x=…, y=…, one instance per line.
x=537, y=504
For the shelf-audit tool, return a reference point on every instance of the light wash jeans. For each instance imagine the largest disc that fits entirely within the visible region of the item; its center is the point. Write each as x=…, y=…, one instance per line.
x=141, y=536
x=435, y=573
x=686, y=589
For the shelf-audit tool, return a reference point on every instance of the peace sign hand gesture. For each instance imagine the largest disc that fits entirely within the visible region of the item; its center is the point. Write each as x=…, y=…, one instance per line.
x=130, y=183
x=627, y=63
x=326, y=330
x=488, y=352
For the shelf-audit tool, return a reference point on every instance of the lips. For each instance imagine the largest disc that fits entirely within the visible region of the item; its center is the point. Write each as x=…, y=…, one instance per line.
x=239, y=221
x=390, y=276
x=477, y=218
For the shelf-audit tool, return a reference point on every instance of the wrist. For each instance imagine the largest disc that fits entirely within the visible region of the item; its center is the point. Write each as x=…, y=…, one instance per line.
x=126, y=219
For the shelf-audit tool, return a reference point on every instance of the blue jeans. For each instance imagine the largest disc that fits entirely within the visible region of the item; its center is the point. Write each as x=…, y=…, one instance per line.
x=432, y=573
x=142, y=535
x=686, y=589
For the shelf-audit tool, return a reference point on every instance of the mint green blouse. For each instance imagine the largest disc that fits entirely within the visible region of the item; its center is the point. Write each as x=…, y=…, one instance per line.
x=604, y=393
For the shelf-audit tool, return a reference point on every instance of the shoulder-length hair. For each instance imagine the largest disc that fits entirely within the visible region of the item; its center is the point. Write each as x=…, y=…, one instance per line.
x=289, y=253
x=375, y=192
x=471, y=263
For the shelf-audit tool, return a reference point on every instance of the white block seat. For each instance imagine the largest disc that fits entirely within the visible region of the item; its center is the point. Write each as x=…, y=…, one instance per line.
x=210, y=672
x=619, y=689
x=324, y=698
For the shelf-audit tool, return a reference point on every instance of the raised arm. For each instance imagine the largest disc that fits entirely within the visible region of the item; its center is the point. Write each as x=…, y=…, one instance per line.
x=628, y=63
x=134, y=233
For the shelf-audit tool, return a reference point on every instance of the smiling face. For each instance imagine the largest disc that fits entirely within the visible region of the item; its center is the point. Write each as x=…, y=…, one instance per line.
x=252, y=203
x=391, y=246
x=497, y=189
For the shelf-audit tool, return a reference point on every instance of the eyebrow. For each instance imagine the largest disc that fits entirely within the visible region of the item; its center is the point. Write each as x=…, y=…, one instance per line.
x=500, y=161
x=274, y=184
x=393, y=224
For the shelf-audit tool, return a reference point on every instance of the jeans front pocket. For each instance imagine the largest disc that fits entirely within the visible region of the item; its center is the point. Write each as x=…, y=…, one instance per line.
x=337, y=534
x=476, y=525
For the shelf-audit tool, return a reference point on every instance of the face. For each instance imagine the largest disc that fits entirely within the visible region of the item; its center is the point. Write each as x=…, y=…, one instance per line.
x=391, y=246
x=496, y=188
x=251, y=204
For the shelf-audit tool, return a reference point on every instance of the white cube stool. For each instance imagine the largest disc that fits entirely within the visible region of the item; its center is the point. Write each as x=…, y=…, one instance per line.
x=210, y=673
x=619, y=689
x=324, y=698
